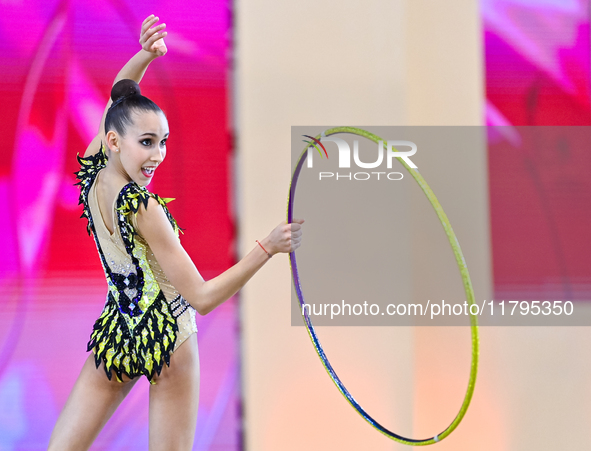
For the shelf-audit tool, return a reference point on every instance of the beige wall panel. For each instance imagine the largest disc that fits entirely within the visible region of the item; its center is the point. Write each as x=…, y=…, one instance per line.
x=304, y=63
x=444, y=62
x=333, y=66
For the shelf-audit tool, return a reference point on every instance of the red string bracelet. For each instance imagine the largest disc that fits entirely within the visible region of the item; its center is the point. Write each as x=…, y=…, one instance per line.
x=264, y=248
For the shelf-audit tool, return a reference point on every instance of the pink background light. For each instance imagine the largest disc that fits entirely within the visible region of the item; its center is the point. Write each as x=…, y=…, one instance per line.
x=58, y=64
x=537, y=74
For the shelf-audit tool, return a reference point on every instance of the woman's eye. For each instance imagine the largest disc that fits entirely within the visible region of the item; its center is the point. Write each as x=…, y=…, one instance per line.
x=163, y=143
x=146, y=142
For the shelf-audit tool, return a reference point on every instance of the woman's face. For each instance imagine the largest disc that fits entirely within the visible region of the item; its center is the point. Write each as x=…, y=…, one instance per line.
x=143, y=147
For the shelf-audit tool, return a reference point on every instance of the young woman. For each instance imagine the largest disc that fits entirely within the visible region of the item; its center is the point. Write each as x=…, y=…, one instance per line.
x=147, y=326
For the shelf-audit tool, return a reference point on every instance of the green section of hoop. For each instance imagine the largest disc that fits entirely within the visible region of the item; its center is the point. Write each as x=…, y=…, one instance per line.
x=461, y=262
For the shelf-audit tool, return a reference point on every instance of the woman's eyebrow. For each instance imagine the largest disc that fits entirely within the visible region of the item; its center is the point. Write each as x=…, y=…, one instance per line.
x=153, y=134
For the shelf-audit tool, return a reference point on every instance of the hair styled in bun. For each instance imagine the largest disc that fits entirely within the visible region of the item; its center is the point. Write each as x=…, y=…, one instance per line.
x=127, y=98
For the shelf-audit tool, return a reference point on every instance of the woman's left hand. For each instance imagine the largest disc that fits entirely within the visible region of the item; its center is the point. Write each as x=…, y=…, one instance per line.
x=152, y=38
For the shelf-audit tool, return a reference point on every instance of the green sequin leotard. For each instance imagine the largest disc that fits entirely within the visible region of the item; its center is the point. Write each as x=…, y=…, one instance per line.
x=144, y=318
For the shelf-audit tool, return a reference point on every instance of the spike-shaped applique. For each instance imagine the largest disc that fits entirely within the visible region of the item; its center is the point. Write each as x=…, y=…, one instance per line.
x=145, y=351
x=89, y=168
x=130, y=198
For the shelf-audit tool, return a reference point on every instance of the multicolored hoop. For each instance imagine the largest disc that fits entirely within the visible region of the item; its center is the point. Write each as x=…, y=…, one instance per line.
x=465, y=278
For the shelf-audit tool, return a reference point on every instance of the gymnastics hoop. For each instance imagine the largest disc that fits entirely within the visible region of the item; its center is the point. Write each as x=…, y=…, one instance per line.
x=465, y=278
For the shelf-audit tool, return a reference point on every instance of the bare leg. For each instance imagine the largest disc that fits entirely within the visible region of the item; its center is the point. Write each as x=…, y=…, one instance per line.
x=91, y=403
x=174, y=400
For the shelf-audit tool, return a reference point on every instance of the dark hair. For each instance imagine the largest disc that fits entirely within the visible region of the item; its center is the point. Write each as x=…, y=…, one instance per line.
x=127, y=98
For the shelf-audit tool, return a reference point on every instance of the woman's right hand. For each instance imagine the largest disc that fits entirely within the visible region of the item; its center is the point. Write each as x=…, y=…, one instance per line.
x=152, y=39
x=284, y=238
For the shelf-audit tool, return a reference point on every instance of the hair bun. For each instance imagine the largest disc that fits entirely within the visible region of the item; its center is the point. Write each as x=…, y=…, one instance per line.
x=125, y=88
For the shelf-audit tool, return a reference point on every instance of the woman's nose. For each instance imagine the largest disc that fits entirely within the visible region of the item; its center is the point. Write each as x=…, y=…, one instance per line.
x=158, y=155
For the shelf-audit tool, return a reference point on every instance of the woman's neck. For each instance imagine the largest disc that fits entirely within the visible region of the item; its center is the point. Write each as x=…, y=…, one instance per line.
x=114, y=175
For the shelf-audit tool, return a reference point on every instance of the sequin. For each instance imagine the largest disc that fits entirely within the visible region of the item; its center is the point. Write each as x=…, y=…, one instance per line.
x=138, y=328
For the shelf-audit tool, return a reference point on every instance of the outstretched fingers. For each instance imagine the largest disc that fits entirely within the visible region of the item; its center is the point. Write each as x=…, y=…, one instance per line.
x=146, y=26
x=148, y=22
x=150, y=34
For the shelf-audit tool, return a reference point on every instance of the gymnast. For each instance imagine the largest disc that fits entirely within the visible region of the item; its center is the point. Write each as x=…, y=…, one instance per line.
x=147, y=326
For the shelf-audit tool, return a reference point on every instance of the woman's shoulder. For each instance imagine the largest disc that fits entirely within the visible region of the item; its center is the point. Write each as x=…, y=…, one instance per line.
x=90, y=166
x=137, y=201
x=133, y=196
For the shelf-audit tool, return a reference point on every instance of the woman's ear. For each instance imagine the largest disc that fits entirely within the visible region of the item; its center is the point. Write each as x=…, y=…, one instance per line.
x=113, y=141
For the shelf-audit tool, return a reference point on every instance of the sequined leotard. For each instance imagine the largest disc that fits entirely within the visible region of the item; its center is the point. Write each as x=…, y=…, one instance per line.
x=144, y=318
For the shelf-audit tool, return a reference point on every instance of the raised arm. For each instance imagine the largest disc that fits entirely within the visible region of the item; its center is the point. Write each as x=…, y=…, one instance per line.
x=204, y=296
x=153, y=46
